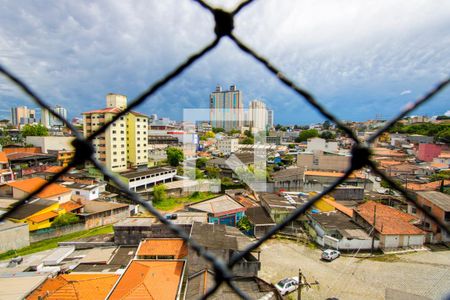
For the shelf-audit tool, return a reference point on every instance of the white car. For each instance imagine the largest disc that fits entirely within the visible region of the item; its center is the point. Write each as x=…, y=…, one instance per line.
x=330, y=254
x=287, y=285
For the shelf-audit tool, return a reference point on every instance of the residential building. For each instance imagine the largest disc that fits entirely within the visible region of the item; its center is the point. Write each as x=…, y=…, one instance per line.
x=443, y=158
x=87, y=286
x=427, y=152
x=260, y=220
x=319, y=144
x=162, y=248
x=324, y=161
x=49, y=120
x=38, y=214
x=227, y=146
x=98, y=213
x=439, y=205
x=124, y=143
x=270, y=118
x=142, y=180
x=6, y=174
x=63, y=157
x=220, y=210
x=22, y=188
x=83, y=191
x=257, y=116
x=47, y=143
x=393, y=228
x=337, y=230
x=22, y=115
x=138, y=280
x=226, y=108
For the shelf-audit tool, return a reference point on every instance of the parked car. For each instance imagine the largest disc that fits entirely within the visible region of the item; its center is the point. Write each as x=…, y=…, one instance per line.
x=378, y=179
x=287, y=285
x=330, y=254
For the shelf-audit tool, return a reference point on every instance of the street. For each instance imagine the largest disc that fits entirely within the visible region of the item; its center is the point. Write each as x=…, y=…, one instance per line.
x=422, y=273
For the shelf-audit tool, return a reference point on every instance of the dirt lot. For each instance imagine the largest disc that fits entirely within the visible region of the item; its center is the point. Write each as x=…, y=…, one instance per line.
x=422, y=273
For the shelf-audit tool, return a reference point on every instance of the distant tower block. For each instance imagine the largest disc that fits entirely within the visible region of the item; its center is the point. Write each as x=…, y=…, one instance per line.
x=116, y=100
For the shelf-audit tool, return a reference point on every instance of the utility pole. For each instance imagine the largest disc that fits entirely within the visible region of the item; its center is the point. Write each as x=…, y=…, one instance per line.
x=300, y=284
x=373, y=227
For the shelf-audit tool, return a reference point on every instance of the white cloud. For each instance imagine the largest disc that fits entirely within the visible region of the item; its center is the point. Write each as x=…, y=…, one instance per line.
x=405, y=92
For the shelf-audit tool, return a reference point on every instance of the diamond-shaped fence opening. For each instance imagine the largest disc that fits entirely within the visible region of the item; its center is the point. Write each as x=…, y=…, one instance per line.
x=224, y=25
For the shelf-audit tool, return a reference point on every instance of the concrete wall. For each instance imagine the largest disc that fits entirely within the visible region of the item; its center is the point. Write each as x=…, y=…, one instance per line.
x=49, y=233
x=51, y=142
x=356, y=193
x=105, y=218
x=322, y=161
x=12, y=238
x=132, y=235
x=345, y=244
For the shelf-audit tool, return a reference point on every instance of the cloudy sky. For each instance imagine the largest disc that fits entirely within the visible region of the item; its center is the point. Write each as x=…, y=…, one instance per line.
x=359, y=58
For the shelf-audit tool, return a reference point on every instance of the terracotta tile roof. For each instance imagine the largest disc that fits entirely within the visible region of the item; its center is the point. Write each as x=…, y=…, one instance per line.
x=387, y=152
x=113, y=110
x=20, y=155
x=20, y=149
x=439, y=165
x=75, y=286
x=71, y=206
x=138, y=114
x=163, y=247
x=444, y=155
x=3, y=158
x=385, y=163
x=388, y=219
x=342, y=208
x=332, y=174
x=32, y=184
x=54, y=169
x=149, y=279
x=430, y=186
x=43, y=217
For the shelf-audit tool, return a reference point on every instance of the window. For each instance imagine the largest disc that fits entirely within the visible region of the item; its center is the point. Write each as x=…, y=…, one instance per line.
x=413, y=210
x=427, y=208
x=77, y=192
x=447, y=216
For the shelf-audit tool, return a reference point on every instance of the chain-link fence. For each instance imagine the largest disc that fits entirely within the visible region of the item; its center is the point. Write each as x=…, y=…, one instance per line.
x=224, y=25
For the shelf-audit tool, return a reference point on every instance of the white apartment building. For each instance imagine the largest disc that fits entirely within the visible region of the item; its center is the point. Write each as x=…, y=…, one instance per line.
x=319, y=144
x=228, y=146
x=124, y=143
x=258, y=115
x=226, y=108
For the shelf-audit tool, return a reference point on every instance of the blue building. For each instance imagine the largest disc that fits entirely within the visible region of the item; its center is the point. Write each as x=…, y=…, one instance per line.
x=220, y=210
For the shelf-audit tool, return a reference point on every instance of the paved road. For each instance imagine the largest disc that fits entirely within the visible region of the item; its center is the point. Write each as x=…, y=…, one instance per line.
x=423, y=273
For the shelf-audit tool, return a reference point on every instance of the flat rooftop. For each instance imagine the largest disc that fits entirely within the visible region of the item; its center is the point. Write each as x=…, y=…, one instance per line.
x=140, y=173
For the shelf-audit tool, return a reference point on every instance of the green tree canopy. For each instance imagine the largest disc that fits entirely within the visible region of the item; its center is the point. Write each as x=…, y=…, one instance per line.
x=65, y=219
x=201, y=162
x=327, y=135
x=209, y=135
x=175, y=156
x=248, y=141
x=307, y=134
x=212, y=172
x=218, y=129
x=159, y=193
x=34, y=130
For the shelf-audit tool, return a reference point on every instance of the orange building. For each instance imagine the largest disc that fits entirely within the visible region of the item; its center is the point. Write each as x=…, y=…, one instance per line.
x=162, y=248
x=75, y=286
x=150, y=279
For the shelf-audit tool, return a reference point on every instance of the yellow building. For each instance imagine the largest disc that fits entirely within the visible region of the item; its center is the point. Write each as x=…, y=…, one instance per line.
x=38, y=214
x=124, y=143
x=323, y=204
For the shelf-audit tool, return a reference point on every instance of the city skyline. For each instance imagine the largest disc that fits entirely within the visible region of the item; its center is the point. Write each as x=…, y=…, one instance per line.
x=400, y=55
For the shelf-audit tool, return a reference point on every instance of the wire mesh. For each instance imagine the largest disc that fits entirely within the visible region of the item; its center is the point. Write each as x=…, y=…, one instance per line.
x=224, y=25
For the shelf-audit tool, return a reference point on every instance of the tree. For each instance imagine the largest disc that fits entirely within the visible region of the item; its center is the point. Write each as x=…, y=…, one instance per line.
x=159, y=193
x=328, y=135
x=307, y=134
x=326, y=125
x=175, y=156
x=65, y=219
x=218, y=129
x=34, y=130
x=209, y=135
x=201, y=162
x=234, y=131
x=212, y=172
x=199, y=174
x=248, y=141
x=244, y=224
x=248, y=133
